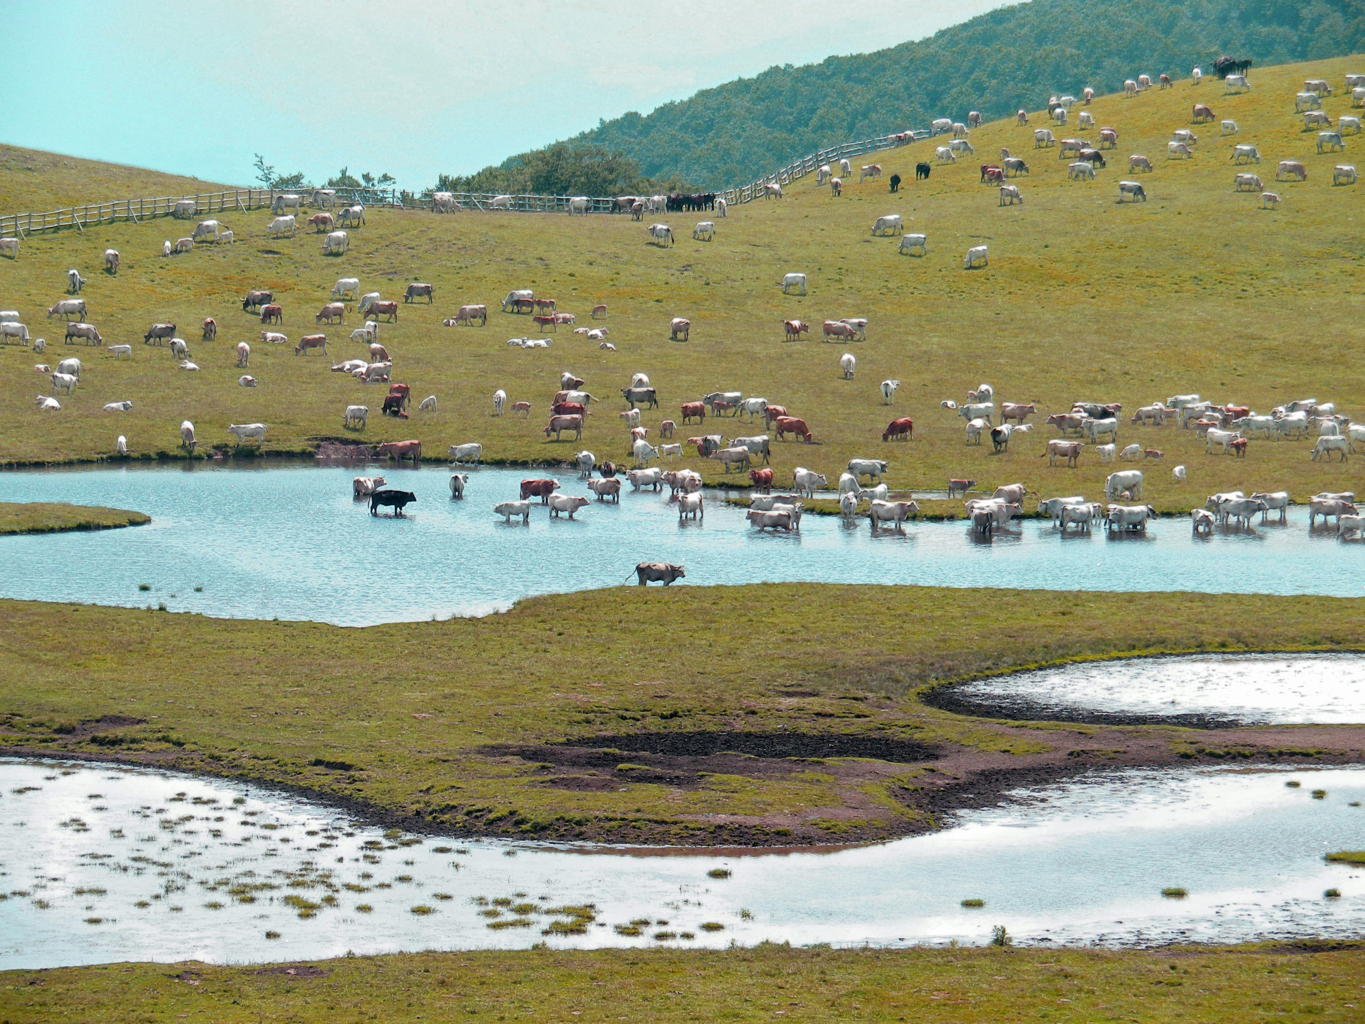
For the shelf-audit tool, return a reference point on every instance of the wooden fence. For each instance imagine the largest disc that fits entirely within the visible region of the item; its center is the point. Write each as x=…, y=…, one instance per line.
x=207, y=204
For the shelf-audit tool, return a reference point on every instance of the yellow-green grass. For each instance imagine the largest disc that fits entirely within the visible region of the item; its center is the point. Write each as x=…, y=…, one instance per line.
x=766, y=983
x=56, y=517
x=1197, y=290
x=1347, y=857
x=424, y=721
x=32, y=181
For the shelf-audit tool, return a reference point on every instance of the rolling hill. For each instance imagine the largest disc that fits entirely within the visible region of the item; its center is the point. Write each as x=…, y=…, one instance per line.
x=997, y=63
x=32, y=181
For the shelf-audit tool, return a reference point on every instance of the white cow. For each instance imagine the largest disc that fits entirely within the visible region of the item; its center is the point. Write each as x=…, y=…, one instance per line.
x=458, y=482
x=790, y=281
x=1348, y=125
x=281, y=226
x=461, y=454
x=63, y=381
x=1132, y=189
x=704, y=231
x=1332, y=142
x=247, y=381
x=11, y=246
x=242, y=431
x=889, y=388
x=47, y=404
x=120, y=351
x=123, y=406
x=848, y=363
x=659, y=233
x=1244, y=182
x=1307, y=101
x=336, y=243
x=499, y=401
x=243, y=355
x=207, y=229
x=1128, y=480
x=348, y=286
x=945, y=155
x=1178, y=149
x=805, y=481
x=1042, y=137
x=977, y=255
x=286, y=202
x=867, y=171
x=187, y=435
x=1010, y=193
x=582, y=206
x=910, y=243
x=1344, y=174
x=888, y=225
x=1229, y=127
x=1080, y=169
x=1244, y=154
x=1324, y=446
x=960, y=146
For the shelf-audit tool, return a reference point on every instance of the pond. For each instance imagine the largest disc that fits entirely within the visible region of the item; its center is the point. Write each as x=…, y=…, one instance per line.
x=290, y=543
x=1203, y=690
x=104, y=863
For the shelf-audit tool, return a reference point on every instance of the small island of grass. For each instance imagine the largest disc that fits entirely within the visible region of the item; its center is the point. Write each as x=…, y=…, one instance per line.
x=57, y=517
x=1346, y=857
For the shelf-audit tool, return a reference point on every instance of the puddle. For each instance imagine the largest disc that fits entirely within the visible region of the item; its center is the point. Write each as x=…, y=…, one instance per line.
x=103, y=864
x=1204, y=690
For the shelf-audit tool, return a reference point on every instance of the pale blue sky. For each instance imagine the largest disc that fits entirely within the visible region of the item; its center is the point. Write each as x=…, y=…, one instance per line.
x=413, y=88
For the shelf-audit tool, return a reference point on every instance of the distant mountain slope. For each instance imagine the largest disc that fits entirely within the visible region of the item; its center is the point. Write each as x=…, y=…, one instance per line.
x=32, y=181
x=996, y=63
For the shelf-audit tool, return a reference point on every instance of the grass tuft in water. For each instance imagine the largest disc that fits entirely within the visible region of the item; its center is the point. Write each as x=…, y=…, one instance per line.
x=1175, y=893
x=144, y=586
x=973, y=903
x=630, y=931
x=1346, y=857
x=712, y=926
x=442, y=896
x=1319, y=794
x=364, y=908
x=718, y=873
x=422, y=910
x=272, y=935
x=665, y=936
x=1332, y=894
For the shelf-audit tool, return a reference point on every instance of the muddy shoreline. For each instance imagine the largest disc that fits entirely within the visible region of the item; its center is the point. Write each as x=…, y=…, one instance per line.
x=949, y=779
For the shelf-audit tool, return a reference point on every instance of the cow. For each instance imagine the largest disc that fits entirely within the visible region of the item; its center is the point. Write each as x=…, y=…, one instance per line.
x=1329, y=507
x=1009, y=195
x=1344, y=174
x=88, y=332
x=540, y=488
x=1327, y=445
x=658, y=572
x=922, y=171
x=311, y=341
x=1128, y=518
x=1332, y=142
x=1290, y=168
x=351, y=217
x=388, y=309
x=1133, y=190
x=793, y=329
x=659, y=233
x=242, y=431
x=1080, y=514
x=286, y=202
x=278, y=226
x=10, y=246
x=1348, y=125
x=1080, y=169
x=1042, y=137
x=1236, y=83
x=364, y=486
x=977, y=255
x=1125, y=481
x=887, y=225
x=705, y=230
x=1069, y=450
x=120, y=351
x=893, y=512
x=1245, y=154
x=872, y=171
x=565, y=503
x=255, y=300
x=1307, y=101
x=1178, y=149
x=400, y=450
x=679, y=329
x=790, y=281
x=604, y=489
x=646, y=397
x=1247, y=182
x=508, y=509
x=558, y=424
x=68, y=308
x=187, y=439
x=944, y=155
x=158, y=333
x=652, y=478
x=805, y=481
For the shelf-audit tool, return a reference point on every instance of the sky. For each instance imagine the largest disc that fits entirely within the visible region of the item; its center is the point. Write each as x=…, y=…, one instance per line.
x=413, y=89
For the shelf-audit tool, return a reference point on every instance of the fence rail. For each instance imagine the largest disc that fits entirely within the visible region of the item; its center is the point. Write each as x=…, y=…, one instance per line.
x=245, y=200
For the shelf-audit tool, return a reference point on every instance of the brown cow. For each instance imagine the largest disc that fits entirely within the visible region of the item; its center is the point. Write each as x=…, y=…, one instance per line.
x=311, y=341
x=904, y=427
x=772, y=412
x=400, y=450
x=794, y=329
x=558, y=423
x=567, y=409
x=762, y=480
x=388, y=309
x=546, y=321
x=1017, y=411
x=693, y=410
x=272, y=314
x=332, y=309
x=792, y=425
x=541, y=489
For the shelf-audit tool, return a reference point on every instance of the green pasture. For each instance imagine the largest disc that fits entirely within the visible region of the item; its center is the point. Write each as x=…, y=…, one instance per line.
x=1198, y=290
x=767, y=983
x=452, y=725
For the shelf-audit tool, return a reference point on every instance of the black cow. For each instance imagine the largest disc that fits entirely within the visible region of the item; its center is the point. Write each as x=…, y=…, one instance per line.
x=895, y=182
x=398, y=500
x=608, y=470
x=922, y=171
x=255, y=300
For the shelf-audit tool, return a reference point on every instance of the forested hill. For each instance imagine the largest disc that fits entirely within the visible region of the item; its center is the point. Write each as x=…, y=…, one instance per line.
x=996, y=63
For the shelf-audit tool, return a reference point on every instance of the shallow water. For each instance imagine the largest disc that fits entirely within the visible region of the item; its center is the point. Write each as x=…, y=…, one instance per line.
x=81, y=846
x=1260, y=689
x=290, y=543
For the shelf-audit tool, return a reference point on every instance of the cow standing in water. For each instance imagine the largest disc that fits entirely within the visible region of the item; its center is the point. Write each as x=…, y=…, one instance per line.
x=397, y=500
x=659, y=572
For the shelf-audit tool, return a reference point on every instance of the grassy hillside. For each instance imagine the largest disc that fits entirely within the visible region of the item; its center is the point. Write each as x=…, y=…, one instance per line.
x=996, y=63
x=457, y=726
x=1196, y=290
x=32, y=181
x=962, y=986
